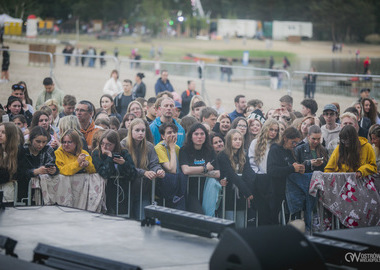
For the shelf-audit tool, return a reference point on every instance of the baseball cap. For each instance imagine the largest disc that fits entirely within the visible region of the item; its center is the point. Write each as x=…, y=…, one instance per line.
x=330, y=107
x=177, y=104
x=365, y=90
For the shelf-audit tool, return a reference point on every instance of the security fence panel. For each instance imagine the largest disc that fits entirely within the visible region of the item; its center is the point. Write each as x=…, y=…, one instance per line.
x=334, y=83
x=21, y=69
x=90, y=73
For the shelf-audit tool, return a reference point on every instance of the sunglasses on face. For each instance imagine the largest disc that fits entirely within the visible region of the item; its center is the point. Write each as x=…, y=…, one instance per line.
x=17, y=87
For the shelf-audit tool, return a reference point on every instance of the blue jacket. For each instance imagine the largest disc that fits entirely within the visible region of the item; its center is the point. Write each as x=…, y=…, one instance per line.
x=234, y=115
x=154, y=126
x=161, y=86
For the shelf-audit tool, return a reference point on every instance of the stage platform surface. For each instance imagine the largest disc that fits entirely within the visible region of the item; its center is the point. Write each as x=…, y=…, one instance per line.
x=104, y=236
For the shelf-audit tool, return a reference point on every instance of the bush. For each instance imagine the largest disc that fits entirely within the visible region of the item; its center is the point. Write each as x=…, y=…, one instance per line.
x=373, y=39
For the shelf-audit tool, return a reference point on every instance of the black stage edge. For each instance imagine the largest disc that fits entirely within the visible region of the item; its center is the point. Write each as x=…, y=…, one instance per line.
x=107, y=237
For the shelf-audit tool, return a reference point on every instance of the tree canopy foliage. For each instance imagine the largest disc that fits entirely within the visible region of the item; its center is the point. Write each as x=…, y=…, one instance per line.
x=338, y=20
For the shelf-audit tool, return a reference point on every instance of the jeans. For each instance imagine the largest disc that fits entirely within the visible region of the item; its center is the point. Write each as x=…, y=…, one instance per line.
x=240, y=217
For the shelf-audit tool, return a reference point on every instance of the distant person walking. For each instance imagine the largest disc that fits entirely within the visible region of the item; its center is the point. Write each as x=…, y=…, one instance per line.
x=5, y=65
x=366, y=64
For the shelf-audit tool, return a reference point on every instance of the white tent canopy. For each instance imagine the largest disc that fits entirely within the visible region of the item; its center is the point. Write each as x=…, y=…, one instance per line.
x=6, y=18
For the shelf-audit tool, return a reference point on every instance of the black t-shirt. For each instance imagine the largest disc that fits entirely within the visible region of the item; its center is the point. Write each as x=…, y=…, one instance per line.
x=123, y=106
x=192, y=158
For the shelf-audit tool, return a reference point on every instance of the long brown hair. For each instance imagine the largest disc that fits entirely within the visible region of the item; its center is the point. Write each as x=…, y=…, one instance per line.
x=9, y=150
x=349, y=155
x=372, y=114
x=138, y=152
x=113, y=137
x=239, y=157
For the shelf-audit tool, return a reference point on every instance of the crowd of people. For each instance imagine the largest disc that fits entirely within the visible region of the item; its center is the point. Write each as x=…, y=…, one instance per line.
x=192, y=150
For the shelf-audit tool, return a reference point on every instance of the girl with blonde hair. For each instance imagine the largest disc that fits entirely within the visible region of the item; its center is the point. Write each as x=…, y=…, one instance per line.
x=258, y=156
x=233, y=164
x=136, y=108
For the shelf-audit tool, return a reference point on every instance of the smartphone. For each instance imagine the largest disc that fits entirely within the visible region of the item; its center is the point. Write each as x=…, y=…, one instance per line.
x=5, y=118
x=49, y=165
x=320, y=159
x=116, y=155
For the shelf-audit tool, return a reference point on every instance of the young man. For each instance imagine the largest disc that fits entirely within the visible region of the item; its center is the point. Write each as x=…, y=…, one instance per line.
x=331, y=130
x=309, y=107
x=167, y=150
x=163, y=84
x=197, y=108
x=69, y=103
x=173, y=186
x=151, y=111
x=240, y=106
x=50, y=92
x=123, y=99
x=287, y=102
x=209, y=116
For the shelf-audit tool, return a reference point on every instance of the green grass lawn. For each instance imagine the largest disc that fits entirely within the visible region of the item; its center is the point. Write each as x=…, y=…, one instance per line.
x=278, y=55
x=174, y=49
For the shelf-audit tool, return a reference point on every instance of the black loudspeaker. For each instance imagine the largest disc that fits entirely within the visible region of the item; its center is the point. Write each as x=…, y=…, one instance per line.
x=357, y=248
x=186, y=221
x=8, y=244
x=63, y=259
x=267, y=247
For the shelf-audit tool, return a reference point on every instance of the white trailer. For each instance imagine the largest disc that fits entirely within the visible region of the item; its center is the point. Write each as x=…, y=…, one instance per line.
x=283, y=29
x=245, y=28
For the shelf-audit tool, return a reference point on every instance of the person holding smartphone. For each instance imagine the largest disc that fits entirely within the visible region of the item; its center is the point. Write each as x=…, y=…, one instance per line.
x=37, y=158
x=113, y=167
x=281, y=163
x=312, y=154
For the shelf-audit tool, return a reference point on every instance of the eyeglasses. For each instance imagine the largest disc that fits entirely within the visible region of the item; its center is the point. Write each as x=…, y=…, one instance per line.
x=107, y=145
x=329, y=114
x=18, y=87
x=286, y=118
x=242, y=126
x=67, y=142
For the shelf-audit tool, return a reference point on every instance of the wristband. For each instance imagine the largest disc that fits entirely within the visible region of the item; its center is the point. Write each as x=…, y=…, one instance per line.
x=205, y=170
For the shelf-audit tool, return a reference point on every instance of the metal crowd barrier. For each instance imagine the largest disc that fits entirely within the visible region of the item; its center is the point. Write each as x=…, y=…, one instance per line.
x=336, y=83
